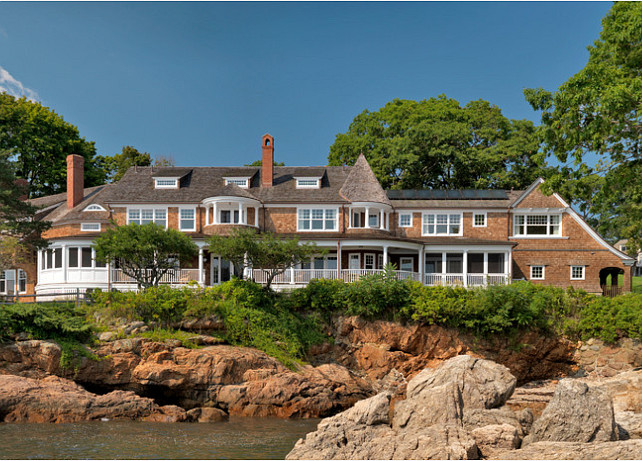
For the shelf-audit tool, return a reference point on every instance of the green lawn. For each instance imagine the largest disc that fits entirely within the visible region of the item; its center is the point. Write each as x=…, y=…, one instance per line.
x=637, y=285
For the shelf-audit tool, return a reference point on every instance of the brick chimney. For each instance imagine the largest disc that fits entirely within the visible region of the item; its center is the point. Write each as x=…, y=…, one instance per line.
x=267, y=170
x=75, y=180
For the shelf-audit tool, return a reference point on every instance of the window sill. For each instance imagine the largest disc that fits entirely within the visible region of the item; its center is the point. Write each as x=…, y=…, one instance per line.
x=535, y=237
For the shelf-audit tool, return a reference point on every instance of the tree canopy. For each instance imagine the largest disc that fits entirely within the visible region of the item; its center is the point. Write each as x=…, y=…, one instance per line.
x=39, y=140
x=146, y=253
x=595, y=118
x=117, y=165
x=265, y=251
x=437, y=143
x=18, y=231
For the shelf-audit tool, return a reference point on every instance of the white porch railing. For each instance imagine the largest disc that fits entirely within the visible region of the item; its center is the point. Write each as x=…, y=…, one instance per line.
x=303, y=276
x=174, y=277
x=466, y=280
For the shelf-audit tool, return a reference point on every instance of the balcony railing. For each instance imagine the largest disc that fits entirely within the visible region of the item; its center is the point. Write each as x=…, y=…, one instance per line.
x=466, y=280
x=303, y=276
x=173, y=277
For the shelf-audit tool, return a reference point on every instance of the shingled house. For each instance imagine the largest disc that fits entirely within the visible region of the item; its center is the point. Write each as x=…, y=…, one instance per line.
x=454, y=237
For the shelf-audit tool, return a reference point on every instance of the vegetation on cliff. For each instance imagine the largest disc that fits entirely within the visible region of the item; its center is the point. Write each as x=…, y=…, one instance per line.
x=285, y=325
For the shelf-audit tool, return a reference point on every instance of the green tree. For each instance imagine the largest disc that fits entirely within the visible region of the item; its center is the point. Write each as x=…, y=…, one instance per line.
x=39, y=141
x=19, y=232
x=265, y=252
x=234, y=247
x=117, y=165
x=260, y=163
x=596, y=114
x=438, y=143
x=146, y=253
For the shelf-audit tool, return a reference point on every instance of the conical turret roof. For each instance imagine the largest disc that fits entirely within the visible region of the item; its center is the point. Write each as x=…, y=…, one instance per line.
x=362, y=185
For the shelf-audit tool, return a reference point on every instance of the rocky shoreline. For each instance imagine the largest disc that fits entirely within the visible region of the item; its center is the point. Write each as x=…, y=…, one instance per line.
x=140, y=379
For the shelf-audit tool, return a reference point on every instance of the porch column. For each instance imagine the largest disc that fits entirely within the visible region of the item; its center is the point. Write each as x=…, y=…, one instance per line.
x=241, y=220
x=465, y=268
x=64, y=263
x=215, y=211
x=422, y=264
x=256, y=216
x=443, y=268
x=367, y=223
x=485, y=268
x=201, y=281
x=291, y=275
x=382, y=217
x=385, y=255
x=507, y=265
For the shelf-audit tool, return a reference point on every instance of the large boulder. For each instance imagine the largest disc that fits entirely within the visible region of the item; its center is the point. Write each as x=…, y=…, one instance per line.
x=627, y=449
x=59, y=400
x=427, y=425
x=577, y=413
x=625, y=389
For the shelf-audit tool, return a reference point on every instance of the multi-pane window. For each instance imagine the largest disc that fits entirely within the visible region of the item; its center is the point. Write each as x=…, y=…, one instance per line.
x=22, y=281
x=405, y=220
x=51, y=259
x=369, y=261
x=241, y=182
x=537, y=225
x=577, y=272
x=537, y=272
x=441, y=224
x=187, y=220
x=479, y=220
x=147, y=215
x=373, y=220
x=317, y=219
x=307, y=183
x=166, y=183
x=3, y=282
x=90, y=227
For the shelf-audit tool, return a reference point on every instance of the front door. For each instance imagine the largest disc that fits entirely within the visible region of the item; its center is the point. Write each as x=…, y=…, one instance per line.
x=355, y=261
x=369, y=261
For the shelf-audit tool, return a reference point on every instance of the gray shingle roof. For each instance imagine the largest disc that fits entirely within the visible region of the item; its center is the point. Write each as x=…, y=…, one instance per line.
x=362, y=185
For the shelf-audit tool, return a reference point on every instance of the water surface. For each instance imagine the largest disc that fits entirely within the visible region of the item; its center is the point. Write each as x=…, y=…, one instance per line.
x=239, y=438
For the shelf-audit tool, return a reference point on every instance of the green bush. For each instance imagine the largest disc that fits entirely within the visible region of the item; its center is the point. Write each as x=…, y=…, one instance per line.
x=58, y=321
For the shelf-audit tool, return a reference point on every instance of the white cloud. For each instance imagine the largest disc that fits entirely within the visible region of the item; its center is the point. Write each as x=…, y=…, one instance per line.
x=11, y=86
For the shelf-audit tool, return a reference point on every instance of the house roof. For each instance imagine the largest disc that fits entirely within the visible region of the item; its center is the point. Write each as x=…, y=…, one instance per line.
x=362, y=185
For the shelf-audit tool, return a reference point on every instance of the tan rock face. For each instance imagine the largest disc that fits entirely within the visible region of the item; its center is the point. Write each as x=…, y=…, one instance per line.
x=59, y=400
x=627, y=449
x=239, y=381
x=376, y=347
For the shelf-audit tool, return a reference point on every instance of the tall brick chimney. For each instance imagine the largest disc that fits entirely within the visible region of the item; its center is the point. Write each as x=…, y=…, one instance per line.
x=75, y=180
x=267, y=170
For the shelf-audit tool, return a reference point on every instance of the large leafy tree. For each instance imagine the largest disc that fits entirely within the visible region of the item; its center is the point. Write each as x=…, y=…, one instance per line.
x=146, y=253
x=117, y=165
x=438, y=143
x=596, y=116
x=265, y=252
x=39, y=140
x=19, y=232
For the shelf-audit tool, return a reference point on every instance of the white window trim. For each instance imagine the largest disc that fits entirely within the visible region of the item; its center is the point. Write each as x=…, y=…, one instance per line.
x=583, y=272
x=405, y=214
x=485, y=219
x=407, y=258
x=543, y=277
x=94, y=207
x=84, y=228
x=374, y=261
x=447, y=234
x=150, y=207
x=233, y=179
x=538, y=236
x=336, y=219
x=351, y=258
x=180, y=219
x=18, y=272
x=317, y=184
x=166, y=186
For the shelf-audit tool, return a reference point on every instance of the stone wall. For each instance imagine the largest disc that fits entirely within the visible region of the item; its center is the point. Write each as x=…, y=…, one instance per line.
x=595, y=358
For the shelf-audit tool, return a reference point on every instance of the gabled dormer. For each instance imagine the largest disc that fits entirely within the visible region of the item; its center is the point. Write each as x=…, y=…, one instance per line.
x=170, y=178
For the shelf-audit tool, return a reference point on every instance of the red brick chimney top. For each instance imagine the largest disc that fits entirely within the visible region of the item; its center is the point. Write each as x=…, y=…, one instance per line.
x=267, y=170
x=75, y=180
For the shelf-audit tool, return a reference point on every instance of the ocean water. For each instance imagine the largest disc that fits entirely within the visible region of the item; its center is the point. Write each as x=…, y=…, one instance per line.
x=239, y=438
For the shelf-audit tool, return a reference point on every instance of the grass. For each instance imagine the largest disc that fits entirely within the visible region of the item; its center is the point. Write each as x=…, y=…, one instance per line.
x=637, y=285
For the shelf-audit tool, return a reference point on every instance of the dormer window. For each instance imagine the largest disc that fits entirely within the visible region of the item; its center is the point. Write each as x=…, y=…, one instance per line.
x=94, y=207
x=308, y=183
x=166, y=183
x=243, y=183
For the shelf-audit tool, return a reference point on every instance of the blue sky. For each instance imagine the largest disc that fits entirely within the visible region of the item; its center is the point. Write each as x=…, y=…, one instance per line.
x=202, y=82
